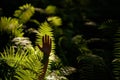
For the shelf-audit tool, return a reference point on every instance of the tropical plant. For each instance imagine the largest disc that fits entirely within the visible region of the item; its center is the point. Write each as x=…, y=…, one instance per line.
x=89, y=18
x=22, y=59
x=9, y=28
x=23, y=66
x=24, y=13
x=116, y=61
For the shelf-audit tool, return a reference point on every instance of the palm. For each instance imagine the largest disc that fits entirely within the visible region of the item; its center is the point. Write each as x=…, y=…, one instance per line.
x=46, y=45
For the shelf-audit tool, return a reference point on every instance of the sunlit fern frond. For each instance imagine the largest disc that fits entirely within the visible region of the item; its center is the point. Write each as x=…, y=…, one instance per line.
x=25, y=66
x=31, y=68
x=55, y=21
x=50, y=9
x=116, y=61
x=45, y=29
x=24, y=13
x=12, y=59
x=9, y=28
x=25, y=75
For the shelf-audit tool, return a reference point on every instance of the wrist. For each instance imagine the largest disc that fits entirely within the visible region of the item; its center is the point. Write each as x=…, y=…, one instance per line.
x=45, y=58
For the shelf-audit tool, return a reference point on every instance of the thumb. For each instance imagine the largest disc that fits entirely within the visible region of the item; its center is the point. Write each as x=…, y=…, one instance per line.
x=40, y=47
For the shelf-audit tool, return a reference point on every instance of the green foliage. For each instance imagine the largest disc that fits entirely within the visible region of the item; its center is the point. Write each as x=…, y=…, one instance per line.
x=45, y=29
x=9, y=28
x=90, y=18
x=81, y=44
x=6, y=71
x=116, y=61
x=92, y=67
x=50, y=9
x=22, y=59
x=24, y=13
x=55, y=21
x=25, y=66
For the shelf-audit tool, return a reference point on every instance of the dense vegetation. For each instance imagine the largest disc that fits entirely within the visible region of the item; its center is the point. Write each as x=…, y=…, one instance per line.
x=85, y=39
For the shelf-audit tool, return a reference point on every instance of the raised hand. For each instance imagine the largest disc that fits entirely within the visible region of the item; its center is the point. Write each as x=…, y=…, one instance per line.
x=46, y=45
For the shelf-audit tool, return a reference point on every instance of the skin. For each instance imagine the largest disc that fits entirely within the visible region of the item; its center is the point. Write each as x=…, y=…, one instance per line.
x=46, y=49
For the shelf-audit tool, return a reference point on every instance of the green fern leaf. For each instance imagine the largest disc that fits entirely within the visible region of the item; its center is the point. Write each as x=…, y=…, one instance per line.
x=9, y=28
x=24, y=75
x=25, y=66
x=55, y=21
x=24, y=13
x=45, y=29
x=50, y=9
x=116, y=61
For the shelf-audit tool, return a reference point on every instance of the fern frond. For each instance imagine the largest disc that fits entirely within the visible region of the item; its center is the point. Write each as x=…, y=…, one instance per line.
x=50, y=9
x=25, y=66
x=6, y=71
x=24, y=75
x=91, y=67
x=9, y=28
x=12, y=57
x=31, y=67
x=45, y=29
x=80, y=42
x=24, y=13
x=116, y=61
x=55, y=21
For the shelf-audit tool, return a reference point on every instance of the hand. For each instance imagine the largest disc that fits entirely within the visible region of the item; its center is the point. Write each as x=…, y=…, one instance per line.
x=46, y=45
